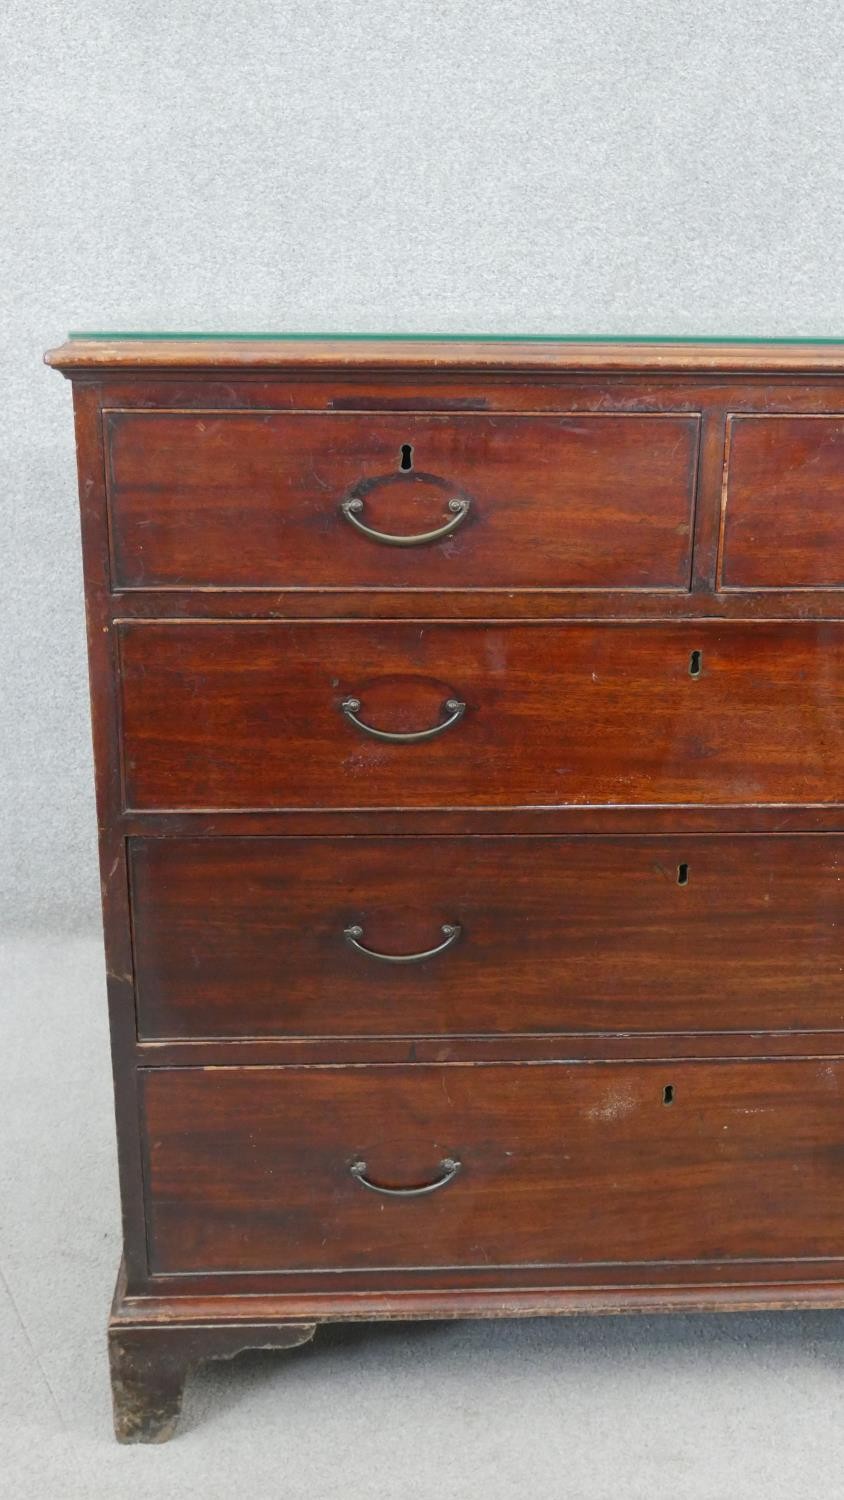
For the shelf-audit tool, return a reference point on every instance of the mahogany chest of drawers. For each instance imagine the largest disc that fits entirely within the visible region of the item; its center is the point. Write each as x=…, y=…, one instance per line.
x=470, y=763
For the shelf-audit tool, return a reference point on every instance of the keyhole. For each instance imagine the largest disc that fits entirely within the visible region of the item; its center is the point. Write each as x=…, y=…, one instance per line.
x=406, y=456
x=682, y=874
x=668, y=1094
x=695, y=663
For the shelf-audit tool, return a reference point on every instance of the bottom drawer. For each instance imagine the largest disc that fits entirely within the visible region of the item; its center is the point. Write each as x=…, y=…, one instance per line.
x=261, y=1169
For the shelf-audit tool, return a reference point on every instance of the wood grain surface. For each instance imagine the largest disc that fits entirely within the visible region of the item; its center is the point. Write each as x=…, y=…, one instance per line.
x=249, y=1169
x=244, y=937
x=253, y=499
x=249, y=715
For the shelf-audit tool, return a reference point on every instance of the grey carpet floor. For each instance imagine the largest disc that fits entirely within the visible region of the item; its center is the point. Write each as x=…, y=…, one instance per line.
x=702, y=1408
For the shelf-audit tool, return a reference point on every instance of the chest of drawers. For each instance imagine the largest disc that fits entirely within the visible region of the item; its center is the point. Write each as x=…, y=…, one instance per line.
x=470, y=768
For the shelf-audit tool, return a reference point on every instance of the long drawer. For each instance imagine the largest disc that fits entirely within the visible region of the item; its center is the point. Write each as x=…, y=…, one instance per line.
x=278, y=499
x=284, y=1168
x=232, y=715
x=329, y=936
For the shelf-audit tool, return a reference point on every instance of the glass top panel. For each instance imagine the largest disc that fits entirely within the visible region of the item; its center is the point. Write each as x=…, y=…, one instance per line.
x=455, y=338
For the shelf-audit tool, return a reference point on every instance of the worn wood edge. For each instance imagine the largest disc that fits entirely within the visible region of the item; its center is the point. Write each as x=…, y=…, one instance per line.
x=150, y=1361
x=129, y=1311
x=260, y=1314
x=432, y=356
x=155, y=1342
x=150, y=1364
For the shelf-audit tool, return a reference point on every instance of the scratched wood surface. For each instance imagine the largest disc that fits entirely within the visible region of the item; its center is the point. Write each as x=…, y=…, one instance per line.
x=432, y=354
x=612, y=1163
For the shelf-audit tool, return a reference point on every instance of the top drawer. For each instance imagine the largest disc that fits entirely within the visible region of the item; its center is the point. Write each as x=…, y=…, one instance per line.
x=783, y=517
x=271, y=499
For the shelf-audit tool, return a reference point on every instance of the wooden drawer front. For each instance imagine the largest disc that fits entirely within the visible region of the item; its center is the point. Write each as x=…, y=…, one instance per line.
x=250, y=1168
x=252, y=499
x=246, y=936
x=784, y=503
x=249, y=715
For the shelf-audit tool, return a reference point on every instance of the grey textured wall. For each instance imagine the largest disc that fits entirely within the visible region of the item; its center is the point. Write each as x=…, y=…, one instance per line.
x=490, y=165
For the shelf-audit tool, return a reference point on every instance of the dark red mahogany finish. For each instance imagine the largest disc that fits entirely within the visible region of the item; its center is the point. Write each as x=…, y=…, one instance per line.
x=252, y=499
x=560, y=1165
x=233, y=715
x=541, y=1012
x=240, y=937
x=783, y=522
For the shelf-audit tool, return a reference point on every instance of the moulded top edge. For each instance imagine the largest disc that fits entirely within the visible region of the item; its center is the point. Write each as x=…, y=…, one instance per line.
x=431, y=352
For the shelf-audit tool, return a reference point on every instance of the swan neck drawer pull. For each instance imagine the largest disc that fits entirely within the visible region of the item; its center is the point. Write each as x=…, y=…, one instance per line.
x=352, y=510
x=452, y=707
x=449, y=1165
x=450, y=931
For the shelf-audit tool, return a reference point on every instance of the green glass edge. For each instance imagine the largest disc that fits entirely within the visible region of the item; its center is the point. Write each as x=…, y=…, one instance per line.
x=453, y=338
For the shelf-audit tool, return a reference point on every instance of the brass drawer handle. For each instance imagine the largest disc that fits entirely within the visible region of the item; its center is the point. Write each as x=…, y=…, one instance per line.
x=449, y=1165
x=450, y=930
x=353, y=508
x=454, y=709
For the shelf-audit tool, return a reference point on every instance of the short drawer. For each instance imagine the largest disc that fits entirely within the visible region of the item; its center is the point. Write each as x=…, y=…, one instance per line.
x=783, y=522
x=233, y=715
x=285, y=1169
x=238, y=937
x=273, y=499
